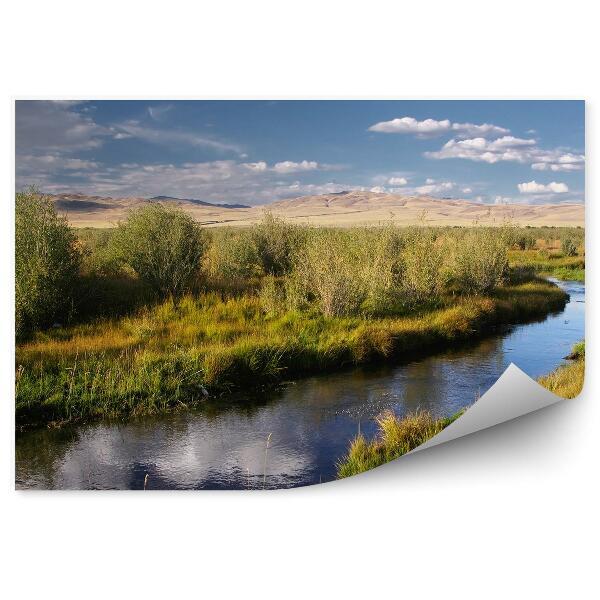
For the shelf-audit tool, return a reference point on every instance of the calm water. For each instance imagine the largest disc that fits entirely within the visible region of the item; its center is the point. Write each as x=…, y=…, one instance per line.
x=310, y=422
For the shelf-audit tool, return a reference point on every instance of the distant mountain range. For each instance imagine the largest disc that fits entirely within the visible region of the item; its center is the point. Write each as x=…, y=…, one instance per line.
x=198, y=202
x=342, y=209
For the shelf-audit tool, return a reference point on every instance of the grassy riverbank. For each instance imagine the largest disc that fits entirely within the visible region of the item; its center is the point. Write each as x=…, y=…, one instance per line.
x=549, y=264
x=567, y=380
x=397, y=436
x=160, y=357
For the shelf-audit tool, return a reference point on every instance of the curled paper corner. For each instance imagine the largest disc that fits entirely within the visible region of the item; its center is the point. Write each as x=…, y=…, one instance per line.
x=514, y=394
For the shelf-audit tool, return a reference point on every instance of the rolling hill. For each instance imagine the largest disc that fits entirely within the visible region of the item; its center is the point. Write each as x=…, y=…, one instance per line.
x=342, y=209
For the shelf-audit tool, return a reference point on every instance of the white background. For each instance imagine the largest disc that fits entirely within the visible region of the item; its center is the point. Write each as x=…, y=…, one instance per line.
x=507, y=513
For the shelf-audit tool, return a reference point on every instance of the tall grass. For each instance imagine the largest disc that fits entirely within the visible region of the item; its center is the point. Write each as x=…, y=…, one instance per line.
x=396, y=436
x=567, y=380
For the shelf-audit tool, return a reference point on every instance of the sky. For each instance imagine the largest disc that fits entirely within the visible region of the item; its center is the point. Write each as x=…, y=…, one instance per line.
x=257, y=152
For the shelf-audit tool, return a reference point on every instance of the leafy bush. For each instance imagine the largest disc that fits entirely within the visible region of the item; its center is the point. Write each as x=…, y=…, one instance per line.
x=480, y=261
x=275, y=243
x=381, y=269
x=233, y=255
x=47, y=260
x=568, y=247
x=266, y=248
x=345, y=272
x=424, y=275
x=330, y=268
x=99, y=255
x=164, y=246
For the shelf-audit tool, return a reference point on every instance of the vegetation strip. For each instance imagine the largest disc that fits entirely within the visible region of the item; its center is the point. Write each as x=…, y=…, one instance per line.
x=161, y=357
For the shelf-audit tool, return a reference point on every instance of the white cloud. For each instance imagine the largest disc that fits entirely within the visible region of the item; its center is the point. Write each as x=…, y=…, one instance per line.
x=435, y=188
x=213, y=181
x=289, y=166
x=398, y=181
x=466, y=190
x=411, y=125
x=50, y=137
x=560, y=162
x=532, y=187
x=479, y=149
x=483, y=130
x=509, y=149
x=379, y=189
x=432, y=127
x=308, y=189
x=509, y=141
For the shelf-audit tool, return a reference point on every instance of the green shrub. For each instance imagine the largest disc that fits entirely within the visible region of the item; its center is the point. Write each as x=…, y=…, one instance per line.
x=99, y=255
x=346, y=272
x=568, y=247
x=164, y=246
x=276, y=243
x=233, y=255
x=331, y=269
x=266, y=248
x=381, y=269
x=479, y=262
x=424, y=275
x=47, y=260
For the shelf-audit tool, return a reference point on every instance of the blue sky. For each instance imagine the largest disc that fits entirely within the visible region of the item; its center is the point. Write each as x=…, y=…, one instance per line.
x=256, y=152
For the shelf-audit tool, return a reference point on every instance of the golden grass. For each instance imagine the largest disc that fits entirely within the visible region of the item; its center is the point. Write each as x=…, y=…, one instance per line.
x=396, y=436
x=159, y=357
x=567, y=380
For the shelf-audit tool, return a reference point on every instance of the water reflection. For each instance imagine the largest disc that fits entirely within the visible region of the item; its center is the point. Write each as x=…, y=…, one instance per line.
x=310, y=421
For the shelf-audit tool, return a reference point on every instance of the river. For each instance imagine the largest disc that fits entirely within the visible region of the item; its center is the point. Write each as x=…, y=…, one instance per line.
x=308, y=424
